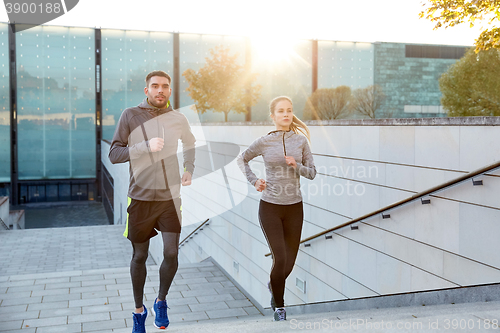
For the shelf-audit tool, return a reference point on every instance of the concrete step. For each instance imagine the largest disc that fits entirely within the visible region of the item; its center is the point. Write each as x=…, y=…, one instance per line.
x=48, y=250
x=102, y=299
x=466, y=317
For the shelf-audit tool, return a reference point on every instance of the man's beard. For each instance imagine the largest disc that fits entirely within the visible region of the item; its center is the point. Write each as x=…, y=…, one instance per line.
x=153, y=102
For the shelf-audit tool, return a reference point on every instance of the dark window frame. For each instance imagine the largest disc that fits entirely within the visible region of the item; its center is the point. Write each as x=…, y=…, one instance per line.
x=434, y=51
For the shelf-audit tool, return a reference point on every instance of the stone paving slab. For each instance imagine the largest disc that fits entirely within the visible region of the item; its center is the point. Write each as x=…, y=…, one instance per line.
x=92, y=299
x=465, y=317
x=67, y=310
x=62, y=214
x=54, y=250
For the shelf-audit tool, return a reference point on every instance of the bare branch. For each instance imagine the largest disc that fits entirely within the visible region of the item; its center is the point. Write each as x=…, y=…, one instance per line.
x=329, y=103
x=367, y=101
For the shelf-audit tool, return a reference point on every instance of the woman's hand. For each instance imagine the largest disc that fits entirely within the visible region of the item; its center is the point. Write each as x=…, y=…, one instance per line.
x=260, y=185
x=291, y=161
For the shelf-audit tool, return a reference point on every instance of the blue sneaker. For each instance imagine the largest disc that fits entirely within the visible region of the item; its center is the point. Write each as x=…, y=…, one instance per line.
x=140, y=321
x=160, y=312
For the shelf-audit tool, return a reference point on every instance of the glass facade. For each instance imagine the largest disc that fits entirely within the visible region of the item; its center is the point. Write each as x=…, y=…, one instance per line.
x=56, y=97
x=282, y=71
x=4, y=105
x=345, y=64
x=52, y=191
x=127, y=57
x=56, y=103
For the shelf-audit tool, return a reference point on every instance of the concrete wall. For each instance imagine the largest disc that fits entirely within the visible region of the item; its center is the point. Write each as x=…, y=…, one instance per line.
x=4, y=211
x=362, y=166
x=120, y=175
x=17, y=219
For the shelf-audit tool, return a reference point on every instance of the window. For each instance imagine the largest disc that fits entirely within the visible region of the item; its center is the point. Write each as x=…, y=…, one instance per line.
x=435, y=51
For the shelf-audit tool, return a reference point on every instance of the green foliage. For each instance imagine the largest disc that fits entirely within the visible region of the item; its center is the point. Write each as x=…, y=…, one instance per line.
x=471, y=87
x=222, y=85
x=329, y=103
x=448, y=13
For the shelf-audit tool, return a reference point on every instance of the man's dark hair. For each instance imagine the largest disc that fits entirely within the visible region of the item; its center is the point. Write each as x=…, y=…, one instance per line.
x=157, y=73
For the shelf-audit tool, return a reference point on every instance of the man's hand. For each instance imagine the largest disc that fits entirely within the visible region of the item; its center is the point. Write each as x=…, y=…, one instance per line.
x=260, y=185
x=156, y=144
x=291, y=161
x=186, y=179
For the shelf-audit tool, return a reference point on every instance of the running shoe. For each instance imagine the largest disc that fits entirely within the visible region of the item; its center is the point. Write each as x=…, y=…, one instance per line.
x=279, y=314
x=160, y=312
x=273, y=303
x=140, y=321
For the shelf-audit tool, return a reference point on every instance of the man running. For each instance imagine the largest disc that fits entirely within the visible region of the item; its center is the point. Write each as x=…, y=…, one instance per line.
x=147, y=136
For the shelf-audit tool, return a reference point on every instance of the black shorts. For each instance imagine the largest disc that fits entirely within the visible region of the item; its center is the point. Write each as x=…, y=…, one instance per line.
x=146, y=216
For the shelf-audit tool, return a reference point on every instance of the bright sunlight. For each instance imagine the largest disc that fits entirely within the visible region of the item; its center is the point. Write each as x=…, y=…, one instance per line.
x=273, y=49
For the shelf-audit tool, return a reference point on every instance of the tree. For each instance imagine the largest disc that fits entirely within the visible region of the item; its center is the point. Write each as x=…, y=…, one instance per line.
x=449, y=13
x=329, y=103
x=367, y=101
x=222, y=85
x=471, y=87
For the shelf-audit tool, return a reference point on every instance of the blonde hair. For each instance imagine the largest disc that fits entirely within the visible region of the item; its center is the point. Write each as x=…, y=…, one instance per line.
x=297, y=125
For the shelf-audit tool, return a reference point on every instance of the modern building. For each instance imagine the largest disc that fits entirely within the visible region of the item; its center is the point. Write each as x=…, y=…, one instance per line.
x=64, y=89
x=401, y=211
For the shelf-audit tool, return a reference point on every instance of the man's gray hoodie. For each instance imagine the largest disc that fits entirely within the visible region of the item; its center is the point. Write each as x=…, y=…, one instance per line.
x=153, y=176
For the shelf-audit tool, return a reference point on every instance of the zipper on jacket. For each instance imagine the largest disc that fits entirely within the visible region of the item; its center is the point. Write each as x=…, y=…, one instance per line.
x=284, y=147
x=158, y=126
x=162, y=161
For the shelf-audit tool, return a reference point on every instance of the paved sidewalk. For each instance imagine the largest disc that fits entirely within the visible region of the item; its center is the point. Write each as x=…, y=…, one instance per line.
x=201, y=298
x=100, y=300
x=467, y=317
x=64, y=214
x=64, y=249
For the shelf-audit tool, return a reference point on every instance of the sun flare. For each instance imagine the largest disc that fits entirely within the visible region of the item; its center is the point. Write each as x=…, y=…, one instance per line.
x=273, y=49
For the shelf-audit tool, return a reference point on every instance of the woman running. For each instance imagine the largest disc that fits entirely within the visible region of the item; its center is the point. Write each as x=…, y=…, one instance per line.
x=287, y=156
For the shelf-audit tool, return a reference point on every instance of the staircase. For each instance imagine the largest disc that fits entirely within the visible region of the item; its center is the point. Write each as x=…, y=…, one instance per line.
x=77, y=280
x=91, y=292
x=437, y=318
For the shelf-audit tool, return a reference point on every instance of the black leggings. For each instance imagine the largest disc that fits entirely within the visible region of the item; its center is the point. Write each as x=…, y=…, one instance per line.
x=168, y=267
x=282, y=226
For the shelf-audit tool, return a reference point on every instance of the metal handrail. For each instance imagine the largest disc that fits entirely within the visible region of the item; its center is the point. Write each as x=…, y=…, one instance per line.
x=407, y=200
x=195, y=230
